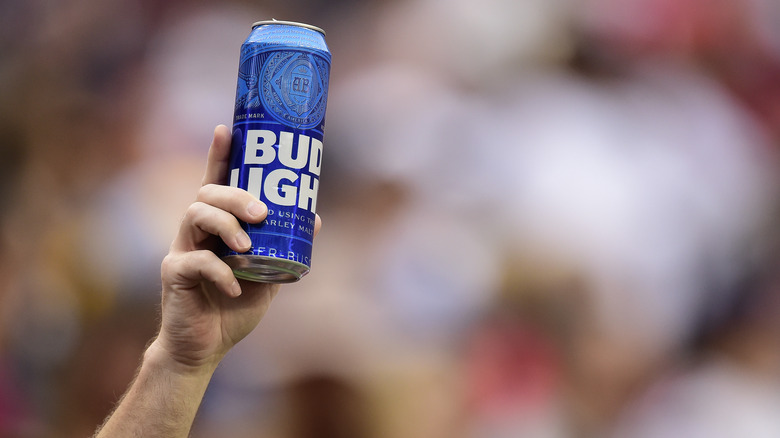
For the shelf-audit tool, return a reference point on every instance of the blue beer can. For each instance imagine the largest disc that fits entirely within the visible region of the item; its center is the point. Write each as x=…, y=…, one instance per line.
x=276, y=150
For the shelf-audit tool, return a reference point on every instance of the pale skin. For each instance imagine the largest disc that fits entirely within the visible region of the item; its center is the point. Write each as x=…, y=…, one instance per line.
x=205, y=310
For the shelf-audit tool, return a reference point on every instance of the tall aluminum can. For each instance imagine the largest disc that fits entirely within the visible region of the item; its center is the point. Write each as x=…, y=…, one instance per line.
x=276, y=151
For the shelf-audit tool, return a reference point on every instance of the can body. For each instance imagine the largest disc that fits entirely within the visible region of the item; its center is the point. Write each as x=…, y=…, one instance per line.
x=277, y=144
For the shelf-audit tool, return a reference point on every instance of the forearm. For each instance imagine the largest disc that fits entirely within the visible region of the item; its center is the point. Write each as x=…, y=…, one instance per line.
x=162, y=400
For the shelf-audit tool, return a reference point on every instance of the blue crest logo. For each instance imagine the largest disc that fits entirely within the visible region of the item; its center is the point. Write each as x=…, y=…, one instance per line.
x=293, y=88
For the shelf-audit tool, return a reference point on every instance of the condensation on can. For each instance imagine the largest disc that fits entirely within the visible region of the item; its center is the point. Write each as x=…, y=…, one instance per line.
x=276, y=151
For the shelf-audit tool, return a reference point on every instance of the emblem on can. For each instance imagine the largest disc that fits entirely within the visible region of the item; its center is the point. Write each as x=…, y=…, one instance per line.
x=295, y=88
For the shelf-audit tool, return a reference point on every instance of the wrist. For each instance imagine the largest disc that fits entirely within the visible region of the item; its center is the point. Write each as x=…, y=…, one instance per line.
x=159, y=357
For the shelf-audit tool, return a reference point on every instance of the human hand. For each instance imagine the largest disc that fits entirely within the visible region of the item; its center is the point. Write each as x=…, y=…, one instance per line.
x=205, y=309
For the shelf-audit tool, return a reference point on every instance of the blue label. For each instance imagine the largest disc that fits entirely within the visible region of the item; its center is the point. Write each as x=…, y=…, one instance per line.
x=281, y=167
x=276, y=154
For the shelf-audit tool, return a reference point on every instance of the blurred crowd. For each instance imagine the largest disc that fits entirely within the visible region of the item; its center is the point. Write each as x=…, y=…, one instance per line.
x=542, y=218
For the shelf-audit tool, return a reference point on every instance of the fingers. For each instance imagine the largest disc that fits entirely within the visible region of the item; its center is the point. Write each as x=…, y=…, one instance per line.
x=215, y=213
x=234, y=200
x=219, y=155
x=191, y=268
x=317, y=224
x=203, y=220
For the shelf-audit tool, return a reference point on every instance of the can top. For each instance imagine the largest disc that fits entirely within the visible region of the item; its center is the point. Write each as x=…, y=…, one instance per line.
x=288, y=23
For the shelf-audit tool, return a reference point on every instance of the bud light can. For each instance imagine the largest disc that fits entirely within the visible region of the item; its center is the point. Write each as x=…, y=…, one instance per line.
x=276, y=151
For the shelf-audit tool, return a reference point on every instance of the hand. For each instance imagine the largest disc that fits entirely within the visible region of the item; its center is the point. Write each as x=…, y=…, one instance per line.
x=205, y=309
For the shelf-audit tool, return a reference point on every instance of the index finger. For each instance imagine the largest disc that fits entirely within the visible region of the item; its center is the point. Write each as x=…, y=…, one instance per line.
x=219, y=154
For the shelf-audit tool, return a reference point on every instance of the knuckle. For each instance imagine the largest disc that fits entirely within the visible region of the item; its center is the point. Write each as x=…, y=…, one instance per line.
x=168, y=264
x=207, y=191
x=194, y=210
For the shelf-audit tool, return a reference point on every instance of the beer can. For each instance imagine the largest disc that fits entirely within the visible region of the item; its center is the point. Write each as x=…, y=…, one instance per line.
x=277, y=143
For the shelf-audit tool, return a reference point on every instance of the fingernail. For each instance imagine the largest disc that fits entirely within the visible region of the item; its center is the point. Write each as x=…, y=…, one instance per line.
x=236, y=288
x=256, y=208
x=243, y=239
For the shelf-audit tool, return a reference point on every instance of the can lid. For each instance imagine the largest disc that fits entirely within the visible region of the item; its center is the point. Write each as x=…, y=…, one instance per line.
x=288, y=23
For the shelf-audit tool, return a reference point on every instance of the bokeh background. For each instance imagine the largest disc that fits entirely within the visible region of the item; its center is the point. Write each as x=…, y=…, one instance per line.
x=543, y=218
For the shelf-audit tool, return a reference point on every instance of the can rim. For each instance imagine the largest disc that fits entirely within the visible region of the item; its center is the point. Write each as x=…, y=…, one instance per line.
x=288, y=23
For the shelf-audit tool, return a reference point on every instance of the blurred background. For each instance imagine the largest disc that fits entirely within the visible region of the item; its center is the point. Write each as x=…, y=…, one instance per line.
x=543, y=218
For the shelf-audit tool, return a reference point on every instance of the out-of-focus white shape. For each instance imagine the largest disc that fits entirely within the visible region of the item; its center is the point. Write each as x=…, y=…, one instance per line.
x=435, y=273
x=192, y=75
x=388, y=122
x=719, y=400
x=479, y=41
x=645, y=184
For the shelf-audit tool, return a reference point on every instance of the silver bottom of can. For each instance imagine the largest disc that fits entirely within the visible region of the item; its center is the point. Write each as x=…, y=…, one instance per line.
x=265, y=269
